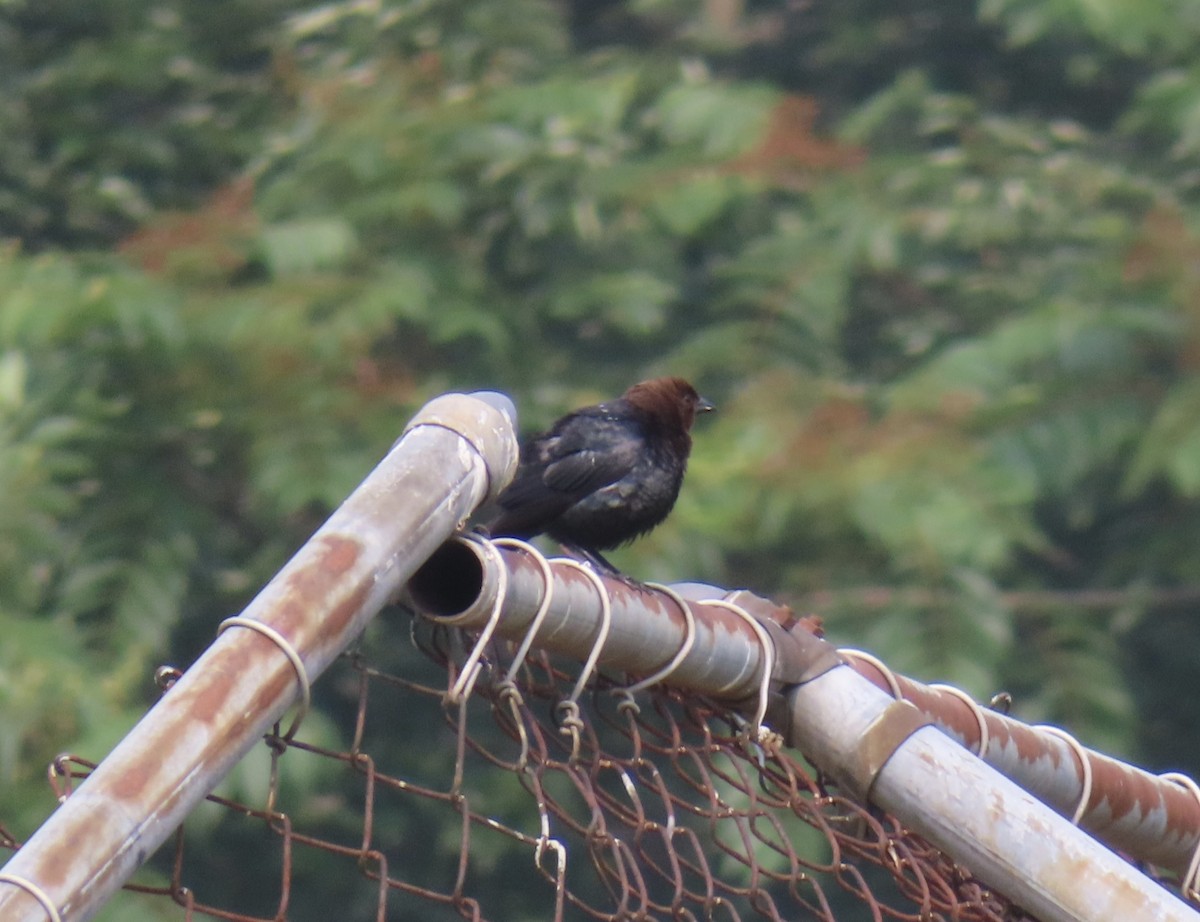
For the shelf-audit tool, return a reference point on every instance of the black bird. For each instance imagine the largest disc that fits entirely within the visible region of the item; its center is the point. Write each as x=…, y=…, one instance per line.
x=605, y=474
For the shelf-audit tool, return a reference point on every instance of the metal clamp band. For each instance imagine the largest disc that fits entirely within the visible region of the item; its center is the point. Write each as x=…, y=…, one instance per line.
x=879, y=742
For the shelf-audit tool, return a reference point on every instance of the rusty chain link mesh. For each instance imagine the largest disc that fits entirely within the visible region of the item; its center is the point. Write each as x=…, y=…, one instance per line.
x=661, y=808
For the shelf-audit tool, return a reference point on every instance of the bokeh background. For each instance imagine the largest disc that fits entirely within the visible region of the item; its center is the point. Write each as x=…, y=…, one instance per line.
x=938, y=264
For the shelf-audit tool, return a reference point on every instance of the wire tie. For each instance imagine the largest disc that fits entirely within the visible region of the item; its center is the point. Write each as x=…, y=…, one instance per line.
x=572, y=723
x=293, y=657
x=689, y=640
x=508, y=692
x=1188, y=887
x=768, y=651
x=35, y=891
x=543, y=607
x=626, y=703
x=888, y=676
x=589, y=665
x=1085, y=765
x=984, y=733
x=472, y=666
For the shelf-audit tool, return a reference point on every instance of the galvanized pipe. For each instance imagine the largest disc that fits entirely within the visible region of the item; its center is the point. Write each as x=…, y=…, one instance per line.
x=458, y=451
x=1150, y=817
x=982, y=820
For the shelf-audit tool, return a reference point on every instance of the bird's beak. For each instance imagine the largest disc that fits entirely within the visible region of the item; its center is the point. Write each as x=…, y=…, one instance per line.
x=704, y=405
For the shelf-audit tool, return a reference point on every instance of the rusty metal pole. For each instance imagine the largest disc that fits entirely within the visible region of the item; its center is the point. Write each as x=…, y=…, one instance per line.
x=1150, y=817
x=844, y=723
x=460, y=586
x=458, y=451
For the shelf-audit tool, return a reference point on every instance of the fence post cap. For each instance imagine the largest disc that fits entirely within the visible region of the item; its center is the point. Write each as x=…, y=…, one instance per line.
x=485, y=419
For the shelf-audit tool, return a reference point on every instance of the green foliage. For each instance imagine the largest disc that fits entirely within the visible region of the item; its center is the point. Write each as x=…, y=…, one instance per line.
x=936, y=266
x=1128, y=26
x=112, y=111
x=78, y=583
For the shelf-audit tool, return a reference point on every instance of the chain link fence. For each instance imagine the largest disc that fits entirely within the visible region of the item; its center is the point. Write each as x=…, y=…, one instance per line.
x=662, y=807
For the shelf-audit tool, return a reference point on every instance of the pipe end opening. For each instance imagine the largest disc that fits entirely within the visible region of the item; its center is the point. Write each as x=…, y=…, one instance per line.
x=448, y=583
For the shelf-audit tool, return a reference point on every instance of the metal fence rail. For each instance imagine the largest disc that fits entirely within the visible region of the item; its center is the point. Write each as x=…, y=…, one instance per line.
x=1155, y=819
x=876, y=744
x=455, y=453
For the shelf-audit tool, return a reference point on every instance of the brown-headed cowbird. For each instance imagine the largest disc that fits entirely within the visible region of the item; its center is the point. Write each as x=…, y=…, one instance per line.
x=604, y=474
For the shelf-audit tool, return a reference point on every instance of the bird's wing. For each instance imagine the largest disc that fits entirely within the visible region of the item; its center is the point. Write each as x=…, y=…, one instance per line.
x=589, y=453
x=584, y=472
x=584, y=452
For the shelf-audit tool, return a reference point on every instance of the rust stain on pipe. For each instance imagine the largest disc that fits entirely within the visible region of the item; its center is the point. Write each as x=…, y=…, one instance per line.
x=333, y=557
x=211, y=688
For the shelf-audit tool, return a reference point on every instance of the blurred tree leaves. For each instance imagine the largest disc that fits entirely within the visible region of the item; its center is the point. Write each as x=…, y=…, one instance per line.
x=936, y=265
x=114, y=110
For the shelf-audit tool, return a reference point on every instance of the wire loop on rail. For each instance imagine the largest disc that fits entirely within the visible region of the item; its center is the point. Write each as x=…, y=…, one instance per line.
x=473, y=664
x=768, y=651
x=1085, y=765
x=289, y=651
x=543, y=607
x=685, y=648
x=976, y=710
x=1189, y=883
x=863, y=656
x=507, y=688
x=572, y=723
x=35, y=891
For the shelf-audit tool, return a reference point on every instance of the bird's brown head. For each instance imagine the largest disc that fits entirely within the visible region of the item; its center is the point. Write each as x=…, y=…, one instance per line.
x=673, y=402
